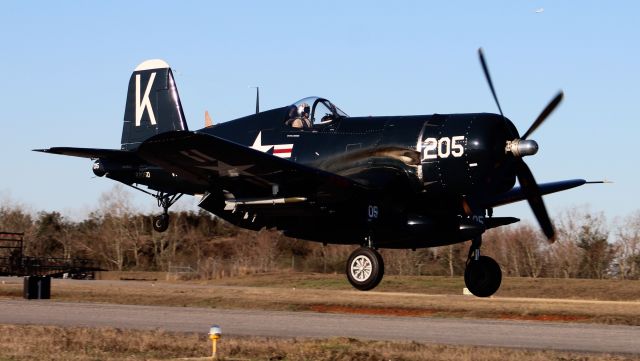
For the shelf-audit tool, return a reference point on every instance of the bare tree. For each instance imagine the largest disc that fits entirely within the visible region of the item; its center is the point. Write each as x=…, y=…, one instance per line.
x=518, y=249
x=628, y=245
x=583, y=237
x=15, y=217
x=111, y=239
x=451, y=259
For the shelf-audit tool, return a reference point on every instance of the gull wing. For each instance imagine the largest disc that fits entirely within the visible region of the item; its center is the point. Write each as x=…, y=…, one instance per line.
x=247, y=173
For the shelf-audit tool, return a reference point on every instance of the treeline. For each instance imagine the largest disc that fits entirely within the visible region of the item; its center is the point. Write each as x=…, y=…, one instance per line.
x=201, y=245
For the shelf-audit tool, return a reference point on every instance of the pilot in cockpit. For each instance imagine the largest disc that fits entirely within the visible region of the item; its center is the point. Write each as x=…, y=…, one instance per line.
x=299, y=117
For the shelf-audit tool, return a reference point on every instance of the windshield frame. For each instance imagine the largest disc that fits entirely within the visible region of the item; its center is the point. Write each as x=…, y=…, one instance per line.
x=313, y=103
x=313, y=100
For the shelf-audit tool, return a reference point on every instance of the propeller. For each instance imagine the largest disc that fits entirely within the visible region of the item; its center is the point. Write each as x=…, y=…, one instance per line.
x=486, y=75
x=545, y=113
x=534, y=197
x=520, y=147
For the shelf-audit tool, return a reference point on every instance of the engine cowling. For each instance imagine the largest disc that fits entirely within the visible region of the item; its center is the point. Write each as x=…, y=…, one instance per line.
x=465, y=153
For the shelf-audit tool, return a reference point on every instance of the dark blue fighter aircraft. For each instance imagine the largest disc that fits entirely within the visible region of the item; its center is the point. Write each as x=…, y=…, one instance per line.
x=315, y=173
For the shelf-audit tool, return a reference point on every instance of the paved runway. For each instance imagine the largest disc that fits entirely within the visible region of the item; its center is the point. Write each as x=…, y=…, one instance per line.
x=535, y=335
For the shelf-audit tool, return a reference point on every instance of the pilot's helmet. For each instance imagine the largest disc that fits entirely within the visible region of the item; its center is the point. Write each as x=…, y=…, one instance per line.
x=303, y=110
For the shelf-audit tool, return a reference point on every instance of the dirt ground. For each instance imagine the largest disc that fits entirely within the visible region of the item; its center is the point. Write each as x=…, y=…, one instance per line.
x=611, y=302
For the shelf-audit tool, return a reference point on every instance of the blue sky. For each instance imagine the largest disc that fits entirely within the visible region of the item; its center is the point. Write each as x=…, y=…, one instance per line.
x=66, y=66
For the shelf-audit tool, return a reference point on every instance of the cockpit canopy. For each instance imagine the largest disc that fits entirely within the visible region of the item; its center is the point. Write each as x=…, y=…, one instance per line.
x=313, y=111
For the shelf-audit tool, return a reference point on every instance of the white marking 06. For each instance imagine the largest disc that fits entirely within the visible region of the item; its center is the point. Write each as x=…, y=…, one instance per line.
x=373, y=212
x=443, y=147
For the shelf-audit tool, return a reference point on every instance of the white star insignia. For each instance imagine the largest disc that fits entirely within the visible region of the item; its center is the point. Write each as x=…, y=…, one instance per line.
x=257, y=144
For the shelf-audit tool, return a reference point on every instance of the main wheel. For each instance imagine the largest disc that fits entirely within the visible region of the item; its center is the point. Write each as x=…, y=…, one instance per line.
x=483, y=277
x=161, y=222
x=365, y=268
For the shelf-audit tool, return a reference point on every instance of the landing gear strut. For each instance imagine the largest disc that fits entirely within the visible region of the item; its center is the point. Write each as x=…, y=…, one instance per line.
x=165, y=200
x=365, y=268
x=482, y=276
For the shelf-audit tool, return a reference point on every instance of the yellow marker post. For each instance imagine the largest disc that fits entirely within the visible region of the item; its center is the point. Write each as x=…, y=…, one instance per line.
x=215, y=332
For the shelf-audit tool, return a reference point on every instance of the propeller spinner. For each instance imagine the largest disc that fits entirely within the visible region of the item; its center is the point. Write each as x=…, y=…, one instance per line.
x=521, y=147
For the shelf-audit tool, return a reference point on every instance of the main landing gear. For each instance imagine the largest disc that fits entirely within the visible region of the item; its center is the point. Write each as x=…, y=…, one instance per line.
x=165, y=200
x=482, y=276
x=365, y=268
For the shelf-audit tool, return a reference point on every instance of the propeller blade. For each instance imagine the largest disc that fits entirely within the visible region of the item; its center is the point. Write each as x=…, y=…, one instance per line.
x=486, y=74
x=534, y=197
x=545, y=113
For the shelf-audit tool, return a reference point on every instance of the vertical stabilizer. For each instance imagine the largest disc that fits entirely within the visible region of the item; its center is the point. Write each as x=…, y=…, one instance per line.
x=153, y=105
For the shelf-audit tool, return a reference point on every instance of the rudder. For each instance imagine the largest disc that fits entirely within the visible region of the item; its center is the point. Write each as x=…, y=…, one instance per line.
x=153, y=105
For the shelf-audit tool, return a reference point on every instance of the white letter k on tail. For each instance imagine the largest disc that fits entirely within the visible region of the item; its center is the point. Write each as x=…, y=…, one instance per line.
x=145, y=103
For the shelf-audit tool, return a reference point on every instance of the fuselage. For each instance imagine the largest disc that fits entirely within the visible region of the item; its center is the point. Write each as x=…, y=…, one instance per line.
x=418, y=169
x=417, y=172
x=443, y=154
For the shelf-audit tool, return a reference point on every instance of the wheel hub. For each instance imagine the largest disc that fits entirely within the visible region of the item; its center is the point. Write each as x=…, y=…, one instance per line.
x=361, y=268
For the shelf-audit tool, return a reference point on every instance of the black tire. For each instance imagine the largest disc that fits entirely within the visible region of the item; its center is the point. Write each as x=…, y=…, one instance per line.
x=161, y=222
x=365, y=268
x=483, y=277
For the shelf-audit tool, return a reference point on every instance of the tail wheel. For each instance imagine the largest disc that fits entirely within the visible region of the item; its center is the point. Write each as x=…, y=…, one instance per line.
x=483, y=276
x=161, y=222
x=365, y=268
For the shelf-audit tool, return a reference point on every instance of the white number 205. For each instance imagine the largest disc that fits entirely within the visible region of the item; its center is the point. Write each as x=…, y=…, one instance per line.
x=443, y=147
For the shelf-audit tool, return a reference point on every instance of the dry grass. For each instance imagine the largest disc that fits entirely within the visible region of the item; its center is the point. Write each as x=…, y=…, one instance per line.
x=583, y=289
x=80, y=344
x=327, y=298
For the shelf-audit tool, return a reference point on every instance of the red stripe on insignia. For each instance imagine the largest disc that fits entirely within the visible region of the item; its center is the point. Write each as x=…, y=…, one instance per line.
x=285, y=150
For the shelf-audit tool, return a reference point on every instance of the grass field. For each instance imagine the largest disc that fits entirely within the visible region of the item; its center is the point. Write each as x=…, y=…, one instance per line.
x=612, y=302
x=79, y=344
x=595, y=301
x=581, y=289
